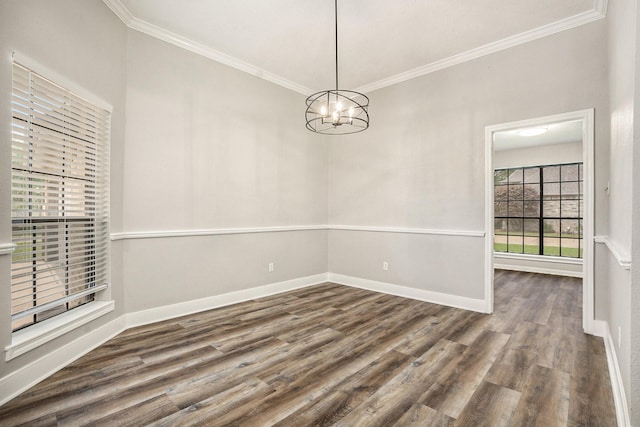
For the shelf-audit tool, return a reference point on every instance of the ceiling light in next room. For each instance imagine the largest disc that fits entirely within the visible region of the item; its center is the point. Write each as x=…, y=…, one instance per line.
x=532, y=131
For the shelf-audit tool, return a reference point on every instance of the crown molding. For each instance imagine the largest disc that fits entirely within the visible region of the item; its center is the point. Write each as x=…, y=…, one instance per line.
x=599, y=11
x=200, y=49
x=120, y=10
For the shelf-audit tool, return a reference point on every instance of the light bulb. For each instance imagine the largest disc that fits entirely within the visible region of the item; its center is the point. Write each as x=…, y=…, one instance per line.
x=350, y=111
x=323, y=110
x=339, y=106
x=335, y=116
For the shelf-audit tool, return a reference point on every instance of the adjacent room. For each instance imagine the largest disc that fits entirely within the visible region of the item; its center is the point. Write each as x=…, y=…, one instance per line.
x=339, y=212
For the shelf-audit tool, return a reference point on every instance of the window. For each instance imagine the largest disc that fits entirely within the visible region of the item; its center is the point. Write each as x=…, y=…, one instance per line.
x=538, y=210
x=59, y=199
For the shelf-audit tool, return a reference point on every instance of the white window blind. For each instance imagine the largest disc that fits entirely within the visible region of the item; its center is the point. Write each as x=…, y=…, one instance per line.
x=60, y=199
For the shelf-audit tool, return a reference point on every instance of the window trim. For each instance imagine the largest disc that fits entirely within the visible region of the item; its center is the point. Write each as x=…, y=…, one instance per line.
x=535, y=257
x=33, y=336
x=26, y=339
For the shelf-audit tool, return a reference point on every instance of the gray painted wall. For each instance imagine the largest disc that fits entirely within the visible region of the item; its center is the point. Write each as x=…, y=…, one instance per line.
x=187, y=163
x=210, y=147
x=421, y=164
x=543, y=155
x=635, y=242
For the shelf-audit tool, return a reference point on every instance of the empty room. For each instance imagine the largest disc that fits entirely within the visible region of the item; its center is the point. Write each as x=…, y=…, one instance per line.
x=328, y=212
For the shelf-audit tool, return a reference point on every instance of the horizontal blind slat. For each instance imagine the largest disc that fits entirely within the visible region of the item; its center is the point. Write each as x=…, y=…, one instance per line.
x=50, y=305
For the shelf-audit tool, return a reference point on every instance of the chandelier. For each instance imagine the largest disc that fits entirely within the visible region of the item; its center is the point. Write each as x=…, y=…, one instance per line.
x=336, y=111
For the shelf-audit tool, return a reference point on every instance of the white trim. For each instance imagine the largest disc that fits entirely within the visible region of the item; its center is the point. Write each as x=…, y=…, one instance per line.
x=465, y=233
x=549, y=260
x=7, y=248
x=27, y=376
x=588, y=265
x=22, y=379
x=598, y=12
x=600, y=329
x=489, y=222
x=588, y=123
x=530, y=269
x=623, y=260
x=126, y=235
x=200, y=49
x=540, y=258
x=617, y=386
x=34, y=336
x=210, y=232
x=158, y=314
x=120, y=10
x=408, y=292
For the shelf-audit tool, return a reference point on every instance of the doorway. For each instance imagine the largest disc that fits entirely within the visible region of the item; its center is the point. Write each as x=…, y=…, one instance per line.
x=564, y=239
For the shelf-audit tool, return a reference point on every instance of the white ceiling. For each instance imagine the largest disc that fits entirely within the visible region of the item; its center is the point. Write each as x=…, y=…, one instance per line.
x=381, y=42
x=556, y=133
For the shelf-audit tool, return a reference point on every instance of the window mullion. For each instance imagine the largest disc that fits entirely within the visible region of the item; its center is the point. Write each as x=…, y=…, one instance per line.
x=541, y=219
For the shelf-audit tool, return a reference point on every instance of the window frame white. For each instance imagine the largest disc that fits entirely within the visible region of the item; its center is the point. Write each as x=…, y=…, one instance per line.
x=39, y=333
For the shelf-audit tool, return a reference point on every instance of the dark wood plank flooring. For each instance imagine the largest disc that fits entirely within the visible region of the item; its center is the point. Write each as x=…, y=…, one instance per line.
x=335, y=355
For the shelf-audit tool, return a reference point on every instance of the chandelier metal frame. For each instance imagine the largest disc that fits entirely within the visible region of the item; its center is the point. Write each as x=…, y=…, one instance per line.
x=336, y=111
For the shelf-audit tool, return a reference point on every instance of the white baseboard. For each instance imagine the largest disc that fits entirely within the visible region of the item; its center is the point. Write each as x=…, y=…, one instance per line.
x=529, y=269
x=158, y=314
x=599, y=328
x=413, y=293
x=617, y=386
x=22, y=379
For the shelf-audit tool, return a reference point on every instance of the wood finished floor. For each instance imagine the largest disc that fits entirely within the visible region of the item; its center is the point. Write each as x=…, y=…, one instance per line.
x=334, y=355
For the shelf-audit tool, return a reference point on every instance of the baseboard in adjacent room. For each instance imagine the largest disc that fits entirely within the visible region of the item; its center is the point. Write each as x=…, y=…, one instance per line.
x=529, y=269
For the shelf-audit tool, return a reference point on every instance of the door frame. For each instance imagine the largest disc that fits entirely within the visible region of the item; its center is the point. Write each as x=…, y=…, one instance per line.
x=588, y=136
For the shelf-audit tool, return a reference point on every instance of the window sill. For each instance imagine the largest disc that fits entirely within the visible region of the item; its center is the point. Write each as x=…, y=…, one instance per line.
x=34, y=336
x=546, y=258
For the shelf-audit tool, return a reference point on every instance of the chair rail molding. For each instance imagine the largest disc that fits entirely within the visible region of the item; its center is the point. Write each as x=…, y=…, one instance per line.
x=126, y=235
x=619, y=254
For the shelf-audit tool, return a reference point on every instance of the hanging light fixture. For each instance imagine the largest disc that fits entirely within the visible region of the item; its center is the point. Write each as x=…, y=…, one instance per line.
x=335, y=111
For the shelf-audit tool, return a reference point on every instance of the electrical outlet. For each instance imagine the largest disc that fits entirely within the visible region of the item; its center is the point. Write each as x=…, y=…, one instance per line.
x=385, y=266
x=619, y=337
x=270, y=267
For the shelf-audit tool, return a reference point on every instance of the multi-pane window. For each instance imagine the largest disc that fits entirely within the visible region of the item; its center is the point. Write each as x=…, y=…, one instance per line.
x=59, y=199
x=538, y=210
